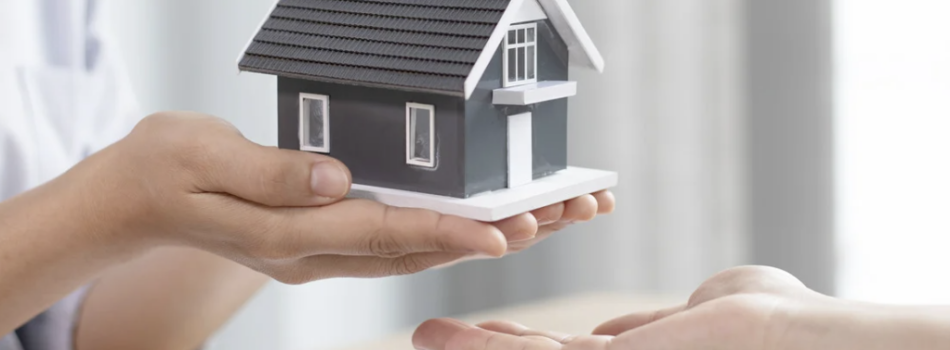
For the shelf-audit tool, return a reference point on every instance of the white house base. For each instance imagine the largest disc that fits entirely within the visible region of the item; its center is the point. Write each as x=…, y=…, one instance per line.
x=501, y=204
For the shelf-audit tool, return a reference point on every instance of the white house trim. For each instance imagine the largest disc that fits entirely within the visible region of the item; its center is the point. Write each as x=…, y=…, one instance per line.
x=251, y=40
x=529, y=43
x=531, y=11
x=305, y=122
x=544, y=91
x=565, y=21
x=494, y=42
x=409, y=140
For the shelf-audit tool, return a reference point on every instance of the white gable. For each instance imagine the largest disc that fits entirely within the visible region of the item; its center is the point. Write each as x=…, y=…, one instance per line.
x=530, y=11
x=583, y=53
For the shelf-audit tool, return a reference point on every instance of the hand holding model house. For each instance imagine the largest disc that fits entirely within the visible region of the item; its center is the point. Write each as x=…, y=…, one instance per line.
x=284, y=212
x=412, y=134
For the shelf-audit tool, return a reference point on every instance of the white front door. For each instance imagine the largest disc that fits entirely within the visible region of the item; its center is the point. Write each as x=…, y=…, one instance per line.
x=520, y=155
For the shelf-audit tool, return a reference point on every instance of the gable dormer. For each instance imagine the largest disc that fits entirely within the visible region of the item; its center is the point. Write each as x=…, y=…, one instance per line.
x=522, y=83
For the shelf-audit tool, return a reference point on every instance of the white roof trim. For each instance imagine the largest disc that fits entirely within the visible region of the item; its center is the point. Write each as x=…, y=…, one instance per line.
x=494, y=42
x=581, y=47
x=254, y=35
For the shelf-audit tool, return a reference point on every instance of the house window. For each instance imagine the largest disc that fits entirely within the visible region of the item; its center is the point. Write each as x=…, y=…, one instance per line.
x=521, y=59
x=314, y=123
x=420, y=134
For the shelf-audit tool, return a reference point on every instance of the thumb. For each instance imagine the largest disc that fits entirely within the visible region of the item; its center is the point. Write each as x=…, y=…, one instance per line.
x=633, y=321
x=729, y=323
x=276, y=177
x=677, y=332
x=435, y=334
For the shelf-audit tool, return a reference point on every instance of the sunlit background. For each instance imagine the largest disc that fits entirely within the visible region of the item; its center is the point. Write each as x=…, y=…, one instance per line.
x=893, y=130
x=812, y=135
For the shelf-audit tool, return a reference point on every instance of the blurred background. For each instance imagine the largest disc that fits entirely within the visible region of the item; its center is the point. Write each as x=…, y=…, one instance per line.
x=810, y=135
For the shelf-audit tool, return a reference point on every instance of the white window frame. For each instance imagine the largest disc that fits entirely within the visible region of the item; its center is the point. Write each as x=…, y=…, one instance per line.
x=305, y=121
x=525, y=45
x=409, y=140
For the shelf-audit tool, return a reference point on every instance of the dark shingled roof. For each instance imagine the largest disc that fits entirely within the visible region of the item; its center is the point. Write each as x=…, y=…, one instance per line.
x=429, y=45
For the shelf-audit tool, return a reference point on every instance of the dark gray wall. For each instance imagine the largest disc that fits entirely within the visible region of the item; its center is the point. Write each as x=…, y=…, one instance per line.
x=791, y=130
x=486, y=125
x=368, y=133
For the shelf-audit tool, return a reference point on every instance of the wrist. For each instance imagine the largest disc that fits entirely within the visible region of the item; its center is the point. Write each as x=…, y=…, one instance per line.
x=50, y=247
x=826, y=323
x=98, y=208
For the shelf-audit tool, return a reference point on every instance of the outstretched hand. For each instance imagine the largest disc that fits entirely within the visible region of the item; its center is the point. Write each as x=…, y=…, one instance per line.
x=747, y=308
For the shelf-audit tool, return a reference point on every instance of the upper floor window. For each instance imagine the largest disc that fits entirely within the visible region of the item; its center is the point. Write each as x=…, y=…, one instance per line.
x=521, y=59
x=314, y=123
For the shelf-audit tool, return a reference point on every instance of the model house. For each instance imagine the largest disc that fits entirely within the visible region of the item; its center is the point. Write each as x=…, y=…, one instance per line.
x=452, y=98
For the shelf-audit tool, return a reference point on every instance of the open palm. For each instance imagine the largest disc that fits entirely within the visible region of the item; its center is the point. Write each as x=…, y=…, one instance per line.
x=745, y=308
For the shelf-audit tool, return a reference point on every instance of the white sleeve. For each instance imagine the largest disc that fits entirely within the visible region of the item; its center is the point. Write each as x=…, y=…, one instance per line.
x=16, y=149
x=117, y=110
x=13, y=175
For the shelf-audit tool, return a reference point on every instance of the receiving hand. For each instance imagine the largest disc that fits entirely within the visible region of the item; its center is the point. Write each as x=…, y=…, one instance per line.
x=749, y=308
x=193, y=180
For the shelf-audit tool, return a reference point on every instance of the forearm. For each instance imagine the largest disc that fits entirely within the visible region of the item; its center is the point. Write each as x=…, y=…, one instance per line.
x=171, y=299
x=843, y=325
x=49, y=247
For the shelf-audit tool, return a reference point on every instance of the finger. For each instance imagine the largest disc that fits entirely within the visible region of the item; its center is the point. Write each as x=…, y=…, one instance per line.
x=503, y=327
x=625, y=323
x=350, y=227
x=516, y=247
x=435, y=334
x=522, y=331
x=682, y=331
x=361, y=227
x=481, y=339
x=544, y=232
x=580, y=209
x=588, y=342
x=519, y=228
x=606, y=203
x=550, y=214
x=549, y=229
x=549, y=220
x=272, y=176
x=463, y=259
x=320, y=267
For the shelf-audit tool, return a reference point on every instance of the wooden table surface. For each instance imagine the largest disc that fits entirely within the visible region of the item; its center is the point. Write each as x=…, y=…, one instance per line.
x=574, y=315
